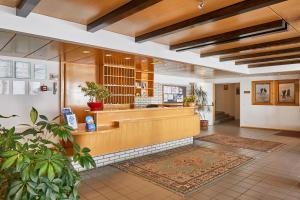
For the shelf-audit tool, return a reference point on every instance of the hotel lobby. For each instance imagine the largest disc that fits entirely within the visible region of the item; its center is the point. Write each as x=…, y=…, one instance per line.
x=149, y=99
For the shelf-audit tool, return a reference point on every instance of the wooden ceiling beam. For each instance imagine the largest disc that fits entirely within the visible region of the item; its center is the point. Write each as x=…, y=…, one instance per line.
x=253, y=46
x=254, y=55
x=120, y=13
x=252, y=31
x=274, y=64
x=261, y=60
x=229, y=11
x=25, y=7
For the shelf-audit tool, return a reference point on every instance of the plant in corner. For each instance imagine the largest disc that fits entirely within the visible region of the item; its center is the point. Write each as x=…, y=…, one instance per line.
x=32, y=166
x=96, y=93
x=201, y=101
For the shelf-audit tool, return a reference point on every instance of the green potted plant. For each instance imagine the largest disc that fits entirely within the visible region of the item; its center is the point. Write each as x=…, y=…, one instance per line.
x=96, y=93
x=201, y=101
x=34, y=167
x=189, y=101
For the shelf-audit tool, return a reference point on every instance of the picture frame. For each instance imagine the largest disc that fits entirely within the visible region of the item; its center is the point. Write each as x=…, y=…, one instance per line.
x=263, y=92
x=40, y=72
x=6, y=69
x=287, y=92
x=22, y=70
x=225, y=87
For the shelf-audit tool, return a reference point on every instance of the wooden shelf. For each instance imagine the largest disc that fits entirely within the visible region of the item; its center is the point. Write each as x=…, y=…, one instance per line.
x=144, y=74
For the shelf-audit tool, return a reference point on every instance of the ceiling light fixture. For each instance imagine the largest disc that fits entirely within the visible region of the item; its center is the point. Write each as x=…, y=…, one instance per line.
x=108, y=55
x=127, y=58
x=201, y=4
x=86, y=52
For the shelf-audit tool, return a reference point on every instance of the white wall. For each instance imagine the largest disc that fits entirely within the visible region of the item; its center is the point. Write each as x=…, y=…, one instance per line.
x=264, y=116
x=227, y=100
x=46, y=103
x=185, y=81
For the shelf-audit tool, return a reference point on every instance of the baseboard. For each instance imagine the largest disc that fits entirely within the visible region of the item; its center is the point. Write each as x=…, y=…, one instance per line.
x=265, y=128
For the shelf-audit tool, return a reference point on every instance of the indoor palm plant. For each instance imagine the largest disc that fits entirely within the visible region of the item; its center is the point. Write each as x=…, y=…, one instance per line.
x=96, y=93
x=34, y=167
x=201, y=101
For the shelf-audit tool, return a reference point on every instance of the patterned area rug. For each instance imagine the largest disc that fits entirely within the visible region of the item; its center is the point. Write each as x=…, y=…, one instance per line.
x=295, y=134
x=240, y=142
x=183, y=169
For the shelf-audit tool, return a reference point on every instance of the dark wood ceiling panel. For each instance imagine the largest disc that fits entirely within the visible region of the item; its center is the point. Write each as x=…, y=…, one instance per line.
x=260, y=54
x=5, y=37
x=252, y=31
x=10, y=3
x=245, y=20
x=274, y=64
x=253, y=46
x=163, y=14
x=25, y=7
x=261, y=60
x=119, y=13
x=78, y=11
x=223, y=13
x=250, y=41
x=23, y=45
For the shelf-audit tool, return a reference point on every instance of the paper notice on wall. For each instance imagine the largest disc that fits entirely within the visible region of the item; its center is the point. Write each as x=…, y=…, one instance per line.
x=4, y=87
x=34, y=88
x=19, y=87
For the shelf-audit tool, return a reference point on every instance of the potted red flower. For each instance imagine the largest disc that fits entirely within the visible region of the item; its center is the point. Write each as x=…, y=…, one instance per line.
x=96, y=93
x=201, y=101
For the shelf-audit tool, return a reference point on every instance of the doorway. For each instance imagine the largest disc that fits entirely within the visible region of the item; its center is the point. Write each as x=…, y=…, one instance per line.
x=227, y=103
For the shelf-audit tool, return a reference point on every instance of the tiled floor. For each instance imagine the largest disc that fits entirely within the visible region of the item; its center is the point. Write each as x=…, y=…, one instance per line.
x=270, y=176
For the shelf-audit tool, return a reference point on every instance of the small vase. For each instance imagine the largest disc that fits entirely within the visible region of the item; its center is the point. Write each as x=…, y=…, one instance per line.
x=95, y=106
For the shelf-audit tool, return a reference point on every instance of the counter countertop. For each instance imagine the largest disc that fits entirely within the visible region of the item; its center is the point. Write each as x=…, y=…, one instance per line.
x=141, y=109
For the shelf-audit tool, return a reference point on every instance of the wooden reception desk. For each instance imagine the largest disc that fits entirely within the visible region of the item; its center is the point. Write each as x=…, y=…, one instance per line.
x=120, y=130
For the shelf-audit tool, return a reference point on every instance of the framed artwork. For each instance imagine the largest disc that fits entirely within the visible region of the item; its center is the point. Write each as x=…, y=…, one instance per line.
x=262, y=92
x=6, y=69
x=40, y=72
x=19, y=87
x=287, y=92
x=22, y=70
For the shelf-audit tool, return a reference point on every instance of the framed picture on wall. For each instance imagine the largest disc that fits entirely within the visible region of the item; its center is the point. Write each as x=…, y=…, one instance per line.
x=262, y=92
x=40, y=72
x=287, y=92
x=6, y=69
x=23, y=70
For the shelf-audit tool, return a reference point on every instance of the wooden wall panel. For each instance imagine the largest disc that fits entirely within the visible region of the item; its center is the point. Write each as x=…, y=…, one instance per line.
x=74, y=75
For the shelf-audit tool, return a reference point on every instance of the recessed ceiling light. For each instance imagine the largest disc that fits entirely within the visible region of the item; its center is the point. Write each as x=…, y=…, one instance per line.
x=86, y=52
x=144, y=60
x=108, y=55
x=127, y=58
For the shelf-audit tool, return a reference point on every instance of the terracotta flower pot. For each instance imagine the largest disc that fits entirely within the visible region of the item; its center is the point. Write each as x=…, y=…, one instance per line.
x=95, y=106
x=204, y=124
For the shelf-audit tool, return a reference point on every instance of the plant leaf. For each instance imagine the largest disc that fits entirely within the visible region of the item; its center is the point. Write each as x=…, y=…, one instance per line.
x=51, y=173
x=43, y=117
x=33, y=115
x=9, y=162
x=43, y=169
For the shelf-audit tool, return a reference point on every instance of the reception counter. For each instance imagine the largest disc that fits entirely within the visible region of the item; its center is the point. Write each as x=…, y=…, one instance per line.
x=121, y=130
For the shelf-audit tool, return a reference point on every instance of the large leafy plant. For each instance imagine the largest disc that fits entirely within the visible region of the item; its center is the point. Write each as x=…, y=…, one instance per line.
x=34, y=167
x=95, y=92
x=201, y=101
